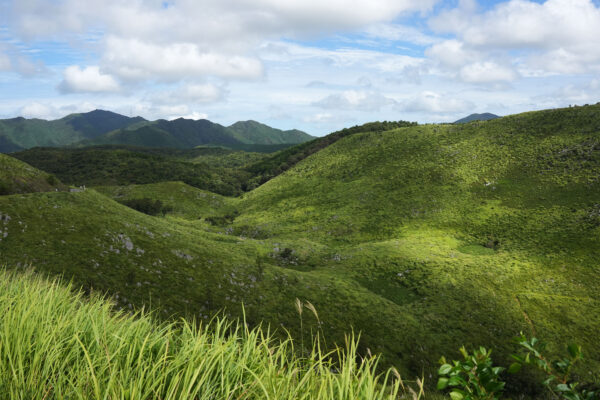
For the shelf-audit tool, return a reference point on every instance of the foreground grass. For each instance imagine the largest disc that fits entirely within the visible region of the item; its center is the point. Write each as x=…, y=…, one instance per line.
x=55, y=345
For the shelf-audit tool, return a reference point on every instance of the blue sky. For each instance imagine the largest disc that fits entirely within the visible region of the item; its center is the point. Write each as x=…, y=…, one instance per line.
x=308, y=64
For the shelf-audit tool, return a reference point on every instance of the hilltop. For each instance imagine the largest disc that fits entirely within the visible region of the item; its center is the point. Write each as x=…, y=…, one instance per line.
x=477, y=117
x=101, y=127
x=424, y=238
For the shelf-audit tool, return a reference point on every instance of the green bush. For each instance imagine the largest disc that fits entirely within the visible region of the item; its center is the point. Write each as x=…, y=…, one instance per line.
x=559, y=380
x=474, y=378
x=4, y=188
x=148, y=206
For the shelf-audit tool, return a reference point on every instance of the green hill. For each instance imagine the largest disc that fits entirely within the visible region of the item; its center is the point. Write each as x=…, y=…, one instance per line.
x=264, y=169
x=18, y=177
x=109, y=165
x=186, y=133
x=475, y=231
x=98, y=122
x=20, y=133
x=257, y=133
x=424, y=238
x=185, y=201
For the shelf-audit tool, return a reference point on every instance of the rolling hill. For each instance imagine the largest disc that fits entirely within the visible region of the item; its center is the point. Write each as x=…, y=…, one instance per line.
x=123, y=165
x=18, y=177
x=252, y=132
x=423, y=238
x=186, y=133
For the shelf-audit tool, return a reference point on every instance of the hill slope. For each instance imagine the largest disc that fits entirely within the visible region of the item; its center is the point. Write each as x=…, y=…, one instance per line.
x=95, y=166
x=424, y=238
x=257, y=133
x=18, y=177
x=64, y=342
x=466, y=228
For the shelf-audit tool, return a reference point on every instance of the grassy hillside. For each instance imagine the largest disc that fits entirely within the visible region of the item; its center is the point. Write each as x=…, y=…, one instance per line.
x=424, y=238
x=18, y=177
x=183, y=268
x=476, y=231
x=95, y=166
x=185, y=201
x=58, y=345
x=255, y=132
x=269, y=167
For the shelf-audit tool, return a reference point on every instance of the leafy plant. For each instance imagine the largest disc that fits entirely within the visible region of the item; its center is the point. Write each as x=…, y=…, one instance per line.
x=474, y=378
x=558, y=372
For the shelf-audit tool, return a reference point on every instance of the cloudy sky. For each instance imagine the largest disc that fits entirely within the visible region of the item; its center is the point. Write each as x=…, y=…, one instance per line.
x=317, y=65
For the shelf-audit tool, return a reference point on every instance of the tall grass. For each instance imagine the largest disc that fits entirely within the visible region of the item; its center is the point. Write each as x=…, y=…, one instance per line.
x=55, y=344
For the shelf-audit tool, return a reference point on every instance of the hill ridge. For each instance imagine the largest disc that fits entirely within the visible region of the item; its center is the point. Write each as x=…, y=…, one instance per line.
x=99, y=127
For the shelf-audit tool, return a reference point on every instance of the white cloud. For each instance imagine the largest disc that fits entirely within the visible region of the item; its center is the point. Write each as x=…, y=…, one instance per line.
x=193, y=115
x=284, y=52
x=432, y=102
x=190, y=93
x=355, y=100
x=144, y=39
x=39, y=110
x=557, y=36
x=88, y=79
x=52, y=110
x=401, y=33
x=144, y=18
x=452, y=53
x=487, y=72
x=5, y=64
x=320, y=118
x=135, y=59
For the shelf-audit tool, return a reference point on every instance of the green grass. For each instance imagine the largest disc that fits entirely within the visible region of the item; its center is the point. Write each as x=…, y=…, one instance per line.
x=18, y=177
x=186, y=201
x=58, y=345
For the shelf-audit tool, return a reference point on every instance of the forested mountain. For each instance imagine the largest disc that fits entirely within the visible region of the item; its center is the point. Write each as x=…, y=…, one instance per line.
x=104, y=127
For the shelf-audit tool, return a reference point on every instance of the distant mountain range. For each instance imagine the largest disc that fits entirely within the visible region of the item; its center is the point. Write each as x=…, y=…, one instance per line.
x=477, y=117
x=101, y=127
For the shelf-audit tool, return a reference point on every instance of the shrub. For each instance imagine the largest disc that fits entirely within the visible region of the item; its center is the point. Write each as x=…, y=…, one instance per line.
x=474, y=378
x=558, y=372
x=148, y=206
